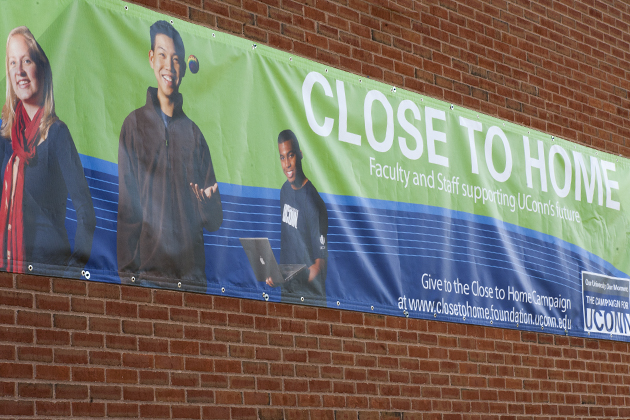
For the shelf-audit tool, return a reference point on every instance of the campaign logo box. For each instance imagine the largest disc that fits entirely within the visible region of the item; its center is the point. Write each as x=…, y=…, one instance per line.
x=606, y=303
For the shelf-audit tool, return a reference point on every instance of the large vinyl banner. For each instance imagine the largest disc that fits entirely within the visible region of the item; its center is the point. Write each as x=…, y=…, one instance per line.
x=153, y=152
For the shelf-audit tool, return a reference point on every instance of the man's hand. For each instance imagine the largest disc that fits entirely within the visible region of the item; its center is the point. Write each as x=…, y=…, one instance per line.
x=269, y=282
x=316, y=268
x=204, y=194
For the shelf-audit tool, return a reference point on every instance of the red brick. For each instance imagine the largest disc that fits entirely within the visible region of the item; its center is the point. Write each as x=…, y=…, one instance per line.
x=121, y=309
x=184, y=315
x=148, y=377
x=37, y=283
x=7, y=316
x=103, y=290
x=122, y=410
x=7, y=352
x=71, y=356
x=186, y=412
x=161, y=329
x=200, y=364
x=137, y=327
x=138, y=360
x=231, y=335
x=213, y=318
x=105, y=392
x=170, y=395
x=71, y=392
x=198, y=333
x=52, y=337
x=69, y=287
x=121, y=376
x=11, y=298
x=135, y=393
x=54, y=373
x=108, y=358
x=164, y=297
x=35, y=354
x=86, y=305
x=111, y=325
x=214, y=381
x=153, y=312
x=155, y=411
x=254, y=307
x=82, y=374
x=200, y=396
x=228, y=397
x=50, y=408
x=242, y=352
x=135, y=294
x=153, y=345
x=7, y=389
x=17, y=408
x=35, y=390
x=194, y=300
x=240, y=321
x=16, y=335
x=185, y=379
x=88, y=409
x=70, y=322
x=121, y=342
x=53, y=303
x=255, y=337
x=184, y=347
x=6, y=279
x=87, y=340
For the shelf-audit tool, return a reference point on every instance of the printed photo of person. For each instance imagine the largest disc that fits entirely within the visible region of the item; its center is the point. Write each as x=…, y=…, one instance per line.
x=304, y=227
x=168, y=192
x=40, y=167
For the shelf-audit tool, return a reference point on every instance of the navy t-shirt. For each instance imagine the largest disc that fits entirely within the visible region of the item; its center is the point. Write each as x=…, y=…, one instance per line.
x=303, y=240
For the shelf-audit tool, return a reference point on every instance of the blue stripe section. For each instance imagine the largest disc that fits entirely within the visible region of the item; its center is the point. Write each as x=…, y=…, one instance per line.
x=250, y=192
x=99, y=165
x=259, y=192
x=378, y=250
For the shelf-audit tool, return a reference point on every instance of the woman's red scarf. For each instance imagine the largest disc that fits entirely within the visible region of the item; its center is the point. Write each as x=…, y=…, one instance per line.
x=24, y=137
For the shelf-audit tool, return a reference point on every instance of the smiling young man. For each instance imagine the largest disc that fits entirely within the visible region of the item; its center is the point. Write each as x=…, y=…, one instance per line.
x=167, y=187
x=304, y=227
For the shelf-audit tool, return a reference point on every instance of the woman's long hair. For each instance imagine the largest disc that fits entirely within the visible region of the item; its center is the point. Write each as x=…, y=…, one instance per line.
x=44, y=74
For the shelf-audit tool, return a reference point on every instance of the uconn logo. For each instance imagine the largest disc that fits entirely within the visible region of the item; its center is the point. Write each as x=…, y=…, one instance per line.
x=290, y=216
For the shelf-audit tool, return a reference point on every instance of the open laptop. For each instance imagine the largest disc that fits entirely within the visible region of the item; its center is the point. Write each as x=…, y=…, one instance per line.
x=264, y=263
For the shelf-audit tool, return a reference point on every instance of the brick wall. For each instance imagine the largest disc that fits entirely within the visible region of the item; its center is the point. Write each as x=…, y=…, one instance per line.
x=558, y=66
x=87, y=349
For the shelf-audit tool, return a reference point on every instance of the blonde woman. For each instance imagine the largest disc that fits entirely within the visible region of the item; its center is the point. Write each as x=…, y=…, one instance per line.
x=40, y=166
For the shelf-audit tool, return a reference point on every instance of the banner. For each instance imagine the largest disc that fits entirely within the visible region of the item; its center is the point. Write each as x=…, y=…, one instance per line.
x=189, y=159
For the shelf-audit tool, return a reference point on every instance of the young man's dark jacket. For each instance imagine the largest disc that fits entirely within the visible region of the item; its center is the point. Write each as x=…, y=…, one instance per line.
x=160, y=220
